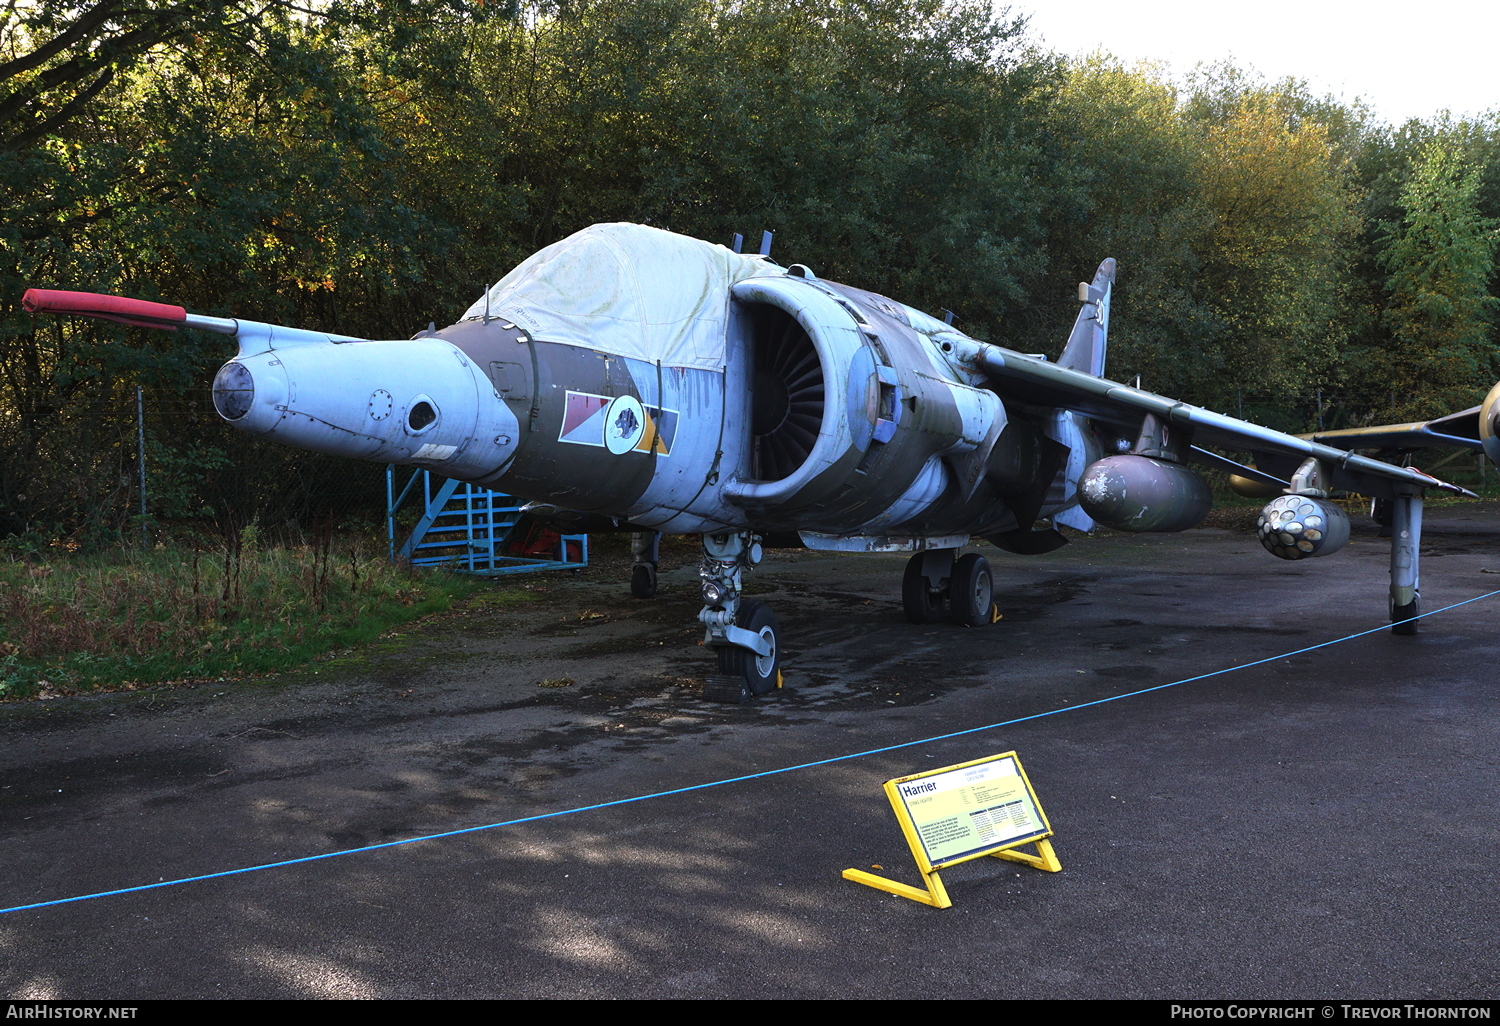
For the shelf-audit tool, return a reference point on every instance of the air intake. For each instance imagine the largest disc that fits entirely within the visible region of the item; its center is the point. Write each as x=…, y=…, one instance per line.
x=786, y=399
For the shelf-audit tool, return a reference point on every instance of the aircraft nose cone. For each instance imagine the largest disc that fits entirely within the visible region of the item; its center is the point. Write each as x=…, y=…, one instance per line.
x=234, y=391
x=416, y=401
x=251, y=392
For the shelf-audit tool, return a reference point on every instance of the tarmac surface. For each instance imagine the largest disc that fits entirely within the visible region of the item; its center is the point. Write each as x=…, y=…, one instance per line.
x=1322, y=826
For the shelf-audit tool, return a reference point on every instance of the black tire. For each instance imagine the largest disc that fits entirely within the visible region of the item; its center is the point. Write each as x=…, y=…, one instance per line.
x=643, y=581
x=918, y=601
x=760, y=673
x=971, y=591
x=1404, y=618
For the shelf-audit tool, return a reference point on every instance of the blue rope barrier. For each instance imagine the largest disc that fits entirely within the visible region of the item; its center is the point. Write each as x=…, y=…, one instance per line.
x=728, y=780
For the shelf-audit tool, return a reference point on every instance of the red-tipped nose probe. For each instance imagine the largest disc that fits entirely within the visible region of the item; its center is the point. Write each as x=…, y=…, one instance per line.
x=253, y=336
x=138, y=312
x=420, y=401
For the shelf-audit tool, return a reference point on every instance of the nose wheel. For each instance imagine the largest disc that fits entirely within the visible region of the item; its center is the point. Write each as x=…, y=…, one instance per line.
x=742, y=631
x=744, y=672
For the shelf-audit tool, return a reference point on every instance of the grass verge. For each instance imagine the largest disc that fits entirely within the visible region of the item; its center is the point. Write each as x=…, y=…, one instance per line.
x=128, y=617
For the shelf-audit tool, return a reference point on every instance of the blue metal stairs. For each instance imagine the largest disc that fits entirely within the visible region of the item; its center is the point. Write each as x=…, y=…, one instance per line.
x=465, y=528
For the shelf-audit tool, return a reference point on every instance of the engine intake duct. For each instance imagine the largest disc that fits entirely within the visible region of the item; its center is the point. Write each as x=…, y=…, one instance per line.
x=786, y=394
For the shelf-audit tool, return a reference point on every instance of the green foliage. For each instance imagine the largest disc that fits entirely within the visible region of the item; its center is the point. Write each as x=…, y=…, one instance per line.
x=1283, y=222
x=1229, y=207
x=1132, y=164
x=1387, y=163
x=241, y=168
x=365, y=166
x=1440, y=259
x=889, y=143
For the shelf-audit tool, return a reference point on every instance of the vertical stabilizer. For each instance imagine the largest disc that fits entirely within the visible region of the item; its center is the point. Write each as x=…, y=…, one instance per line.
x=1086, y=345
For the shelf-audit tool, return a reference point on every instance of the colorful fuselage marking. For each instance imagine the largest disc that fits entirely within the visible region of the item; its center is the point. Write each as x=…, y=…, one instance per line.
x=585, y=422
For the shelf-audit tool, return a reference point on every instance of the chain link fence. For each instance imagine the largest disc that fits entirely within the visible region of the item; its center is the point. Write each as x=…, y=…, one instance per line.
x=150, y=465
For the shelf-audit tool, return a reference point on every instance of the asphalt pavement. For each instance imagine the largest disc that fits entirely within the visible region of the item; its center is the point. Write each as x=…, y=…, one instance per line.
x=1321, y=826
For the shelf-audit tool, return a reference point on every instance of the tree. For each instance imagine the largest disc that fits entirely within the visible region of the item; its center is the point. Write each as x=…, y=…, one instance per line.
x=1128, y=173
x=1230, y=208
x=1440, y=259
x=1275, y=262
x=890, y=143
x=223, y=155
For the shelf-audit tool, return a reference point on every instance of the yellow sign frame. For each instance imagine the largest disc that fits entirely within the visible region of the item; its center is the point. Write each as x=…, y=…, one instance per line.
x=935, y=893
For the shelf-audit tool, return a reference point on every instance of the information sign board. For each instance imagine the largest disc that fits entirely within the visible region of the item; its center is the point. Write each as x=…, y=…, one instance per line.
x=970, y=810
x=957, y=813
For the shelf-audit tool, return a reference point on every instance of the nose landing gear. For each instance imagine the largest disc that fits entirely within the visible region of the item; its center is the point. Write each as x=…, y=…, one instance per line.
x=743, y=672
x=743, y=631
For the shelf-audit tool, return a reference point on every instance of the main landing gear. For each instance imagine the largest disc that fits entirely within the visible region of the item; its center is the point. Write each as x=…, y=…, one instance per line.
x=939, y=584
x=744, y=632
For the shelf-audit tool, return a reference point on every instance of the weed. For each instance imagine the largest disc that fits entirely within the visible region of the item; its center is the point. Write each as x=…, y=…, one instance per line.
x=128, y=616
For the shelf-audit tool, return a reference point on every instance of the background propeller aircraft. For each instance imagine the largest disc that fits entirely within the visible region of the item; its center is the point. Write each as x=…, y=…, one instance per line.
x=1476, y=428
x=657, y=383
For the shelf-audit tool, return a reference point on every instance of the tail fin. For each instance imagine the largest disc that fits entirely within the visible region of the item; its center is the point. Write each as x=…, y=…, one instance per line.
x=1086, y=345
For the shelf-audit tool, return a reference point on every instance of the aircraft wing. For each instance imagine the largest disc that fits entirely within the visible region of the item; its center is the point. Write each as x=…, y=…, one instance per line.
x=1026, y=379
x=1460, y=430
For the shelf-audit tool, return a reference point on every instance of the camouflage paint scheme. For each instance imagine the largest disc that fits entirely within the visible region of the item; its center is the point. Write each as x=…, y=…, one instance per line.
x=741, y=400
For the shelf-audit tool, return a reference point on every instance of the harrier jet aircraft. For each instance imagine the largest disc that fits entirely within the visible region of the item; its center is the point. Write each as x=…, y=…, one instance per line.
x=657, y=383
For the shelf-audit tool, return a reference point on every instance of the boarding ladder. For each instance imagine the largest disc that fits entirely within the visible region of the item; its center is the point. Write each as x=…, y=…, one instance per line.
x=466, y=529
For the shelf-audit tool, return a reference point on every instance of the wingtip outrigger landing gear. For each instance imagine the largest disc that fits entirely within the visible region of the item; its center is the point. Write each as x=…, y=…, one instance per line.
x=744, y=632
x=939, y=582
x=1406, y=540
x=1303, y=522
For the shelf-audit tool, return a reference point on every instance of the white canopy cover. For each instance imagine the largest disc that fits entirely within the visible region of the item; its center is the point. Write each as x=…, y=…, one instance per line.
x=628, y=290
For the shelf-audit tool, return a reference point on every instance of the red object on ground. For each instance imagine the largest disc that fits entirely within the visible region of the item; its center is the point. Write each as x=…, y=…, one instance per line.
x=138, y=312
x=539, y=542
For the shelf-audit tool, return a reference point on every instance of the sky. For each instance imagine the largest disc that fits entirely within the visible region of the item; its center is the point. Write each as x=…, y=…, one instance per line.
x=1406, y=60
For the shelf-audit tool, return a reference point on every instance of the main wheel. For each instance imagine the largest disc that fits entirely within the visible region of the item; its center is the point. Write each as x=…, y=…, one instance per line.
x=643, y=581
x=917, y=600
x=971, y=592
x=761, y=672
